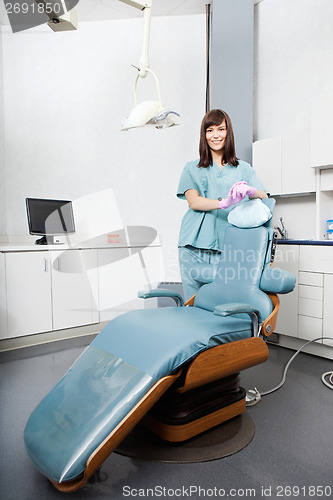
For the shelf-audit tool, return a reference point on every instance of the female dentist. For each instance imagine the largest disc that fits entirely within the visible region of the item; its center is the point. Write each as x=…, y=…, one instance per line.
x=211, y=186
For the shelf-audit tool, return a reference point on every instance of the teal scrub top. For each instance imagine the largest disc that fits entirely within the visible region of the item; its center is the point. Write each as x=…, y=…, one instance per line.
x=206, y=229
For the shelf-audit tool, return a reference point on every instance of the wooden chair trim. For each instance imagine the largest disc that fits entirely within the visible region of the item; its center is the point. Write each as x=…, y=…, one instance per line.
x=178, y=433
x=190, y=301
x=223, y=360
x=118, y=434
x=269, y=324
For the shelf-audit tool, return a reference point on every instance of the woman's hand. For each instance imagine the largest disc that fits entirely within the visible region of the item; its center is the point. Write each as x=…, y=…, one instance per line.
x=237, y=193
x=240, y=189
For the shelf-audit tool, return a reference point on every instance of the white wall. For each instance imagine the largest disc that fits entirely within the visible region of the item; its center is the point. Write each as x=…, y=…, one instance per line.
x=293, y=66
x=2, y=151
x=66, y=96
x=293, y=63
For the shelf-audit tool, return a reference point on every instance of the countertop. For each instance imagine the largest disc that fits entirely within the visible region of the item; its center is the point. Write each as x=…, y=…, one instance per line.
x=305, y=242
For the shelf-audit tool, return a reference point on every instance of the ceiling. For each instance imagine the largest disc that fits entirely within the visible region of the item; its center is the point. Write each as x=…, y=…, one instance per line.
x=100, y=10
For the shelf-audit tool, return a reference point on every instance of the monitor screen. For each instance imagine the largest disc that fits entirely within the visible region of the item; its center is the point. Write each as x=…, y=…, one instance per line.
x=50, y=217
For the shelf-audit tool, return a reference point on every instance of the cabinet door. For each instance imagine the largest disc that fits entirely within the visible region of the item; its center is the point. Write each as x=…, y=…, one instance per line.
x=321, y=133
x=326, y=180
x=287, y=322
x=3, y=300
x=297, y=174
x=74, y=288
x=28, y=283
x=267, y=163
x=328, y=309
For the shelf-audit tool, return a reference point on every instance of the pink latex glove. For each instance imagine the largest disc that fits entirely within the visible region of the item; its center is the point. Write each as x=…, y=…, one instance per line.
x=251, y=191
x=237, y=193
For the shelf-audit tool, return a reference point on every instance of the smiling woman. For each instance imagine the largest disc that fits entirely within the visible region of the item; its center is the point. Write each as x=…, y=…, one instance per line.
x=216, y=136
x=211, y=185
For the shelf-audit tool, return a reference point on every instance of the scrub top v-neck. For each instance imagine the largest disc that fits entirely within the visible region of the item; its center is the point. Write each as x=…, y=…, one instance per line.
x=205, y=230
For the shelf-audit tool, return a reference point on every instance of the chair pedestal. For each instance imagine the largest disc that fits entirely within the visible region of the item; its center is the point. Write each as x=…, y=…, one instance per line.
x=210, y=392
x=178, y=416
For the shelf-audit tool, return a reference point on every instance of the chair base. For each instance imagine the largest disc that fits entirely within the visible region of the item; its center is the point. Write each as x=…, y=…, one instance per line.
x=217, y=443
x=178, y=416
x=179, y=433
x=202, y=424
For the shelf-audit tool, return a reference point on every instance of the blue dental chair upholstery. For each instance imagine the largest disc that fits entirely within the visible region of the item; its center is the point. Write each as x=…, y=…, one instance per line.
x=142, y=355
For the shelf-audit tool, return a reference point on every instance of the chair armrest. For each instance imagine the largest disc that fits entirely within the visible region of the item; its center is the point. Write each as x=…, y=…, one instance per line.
x=238, y=308
x=275, y=280
x=161, y=292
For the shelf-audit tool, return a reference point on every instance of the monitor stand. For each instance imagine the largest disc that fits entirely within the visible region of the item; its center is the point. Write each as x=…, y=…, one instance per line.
x=47, y=240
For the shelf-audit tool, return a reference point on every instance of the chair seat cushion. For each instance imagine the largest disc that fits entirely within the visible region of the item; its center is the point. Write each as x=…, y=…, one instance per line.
x=159, y=341
x=131, y=353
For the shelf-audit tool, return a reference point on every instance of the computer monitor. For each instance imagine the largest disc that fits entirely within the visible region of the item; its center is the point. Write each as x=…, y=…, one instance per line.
x=49, y=218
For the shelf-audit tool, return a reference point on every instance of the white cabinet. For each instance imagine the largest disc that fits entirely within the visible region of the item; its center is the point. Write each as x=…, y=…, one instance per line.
x=267, y=163
x=41, y=291
x=307, y=312
x=328, y=309
x=283, y=163
x=321, y=134
x=296, y=174
x=287, y=257
x=310, y=304
x=326, y=180
x=315, y=292
x=49, y=290
x=316, y=259
x=74, y=288
x=3, y=298
x=28, y=287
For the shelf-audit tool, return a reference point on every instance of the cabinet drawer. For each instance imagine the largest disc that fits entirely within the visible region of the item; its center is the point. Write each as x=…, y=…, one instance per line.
x=309, y=328
x=316, y=258
x=310, y=292
x=310, y=307
x=314, y=279
x=316, y=252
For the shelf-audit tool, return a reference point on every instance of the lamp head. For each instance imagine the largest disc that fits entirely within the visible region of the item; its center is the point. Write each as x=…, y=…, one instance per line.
x=150, y=113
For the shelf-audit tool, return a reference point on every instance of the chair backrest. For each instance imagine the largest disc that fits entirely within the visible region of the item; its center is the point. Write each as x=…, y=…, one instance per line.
x=239, y=271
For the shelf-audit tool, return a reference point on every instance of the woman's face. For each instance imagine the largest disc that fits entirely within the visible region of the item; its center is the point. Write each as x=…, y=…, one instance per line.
x=216, y=136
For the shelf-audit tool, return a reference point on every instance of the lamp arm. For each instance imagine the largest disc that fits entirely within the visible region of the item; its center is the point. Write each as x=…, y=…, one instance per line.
x=137, y=4
x=144, y=6
x=148, y=70
x=144, y=59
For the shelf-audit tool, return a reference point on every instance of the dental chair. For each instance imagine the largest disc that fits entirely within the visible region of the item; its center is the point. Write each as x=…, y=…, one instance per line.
x=176, y=366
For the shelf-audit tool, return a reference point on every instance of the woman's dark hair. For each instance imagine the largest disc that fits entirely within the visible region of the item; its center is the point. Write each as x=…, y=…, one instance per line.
x=216, y=117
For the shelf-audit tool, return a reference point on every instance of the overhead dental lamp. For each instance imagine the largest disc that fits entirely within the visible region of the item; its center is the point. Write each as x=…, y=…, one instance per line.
x=147, y=112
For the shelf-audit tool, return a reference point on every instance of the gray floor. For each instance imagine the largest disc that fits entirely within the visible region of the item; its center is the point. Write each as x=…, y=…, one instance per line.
x=292, y=447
